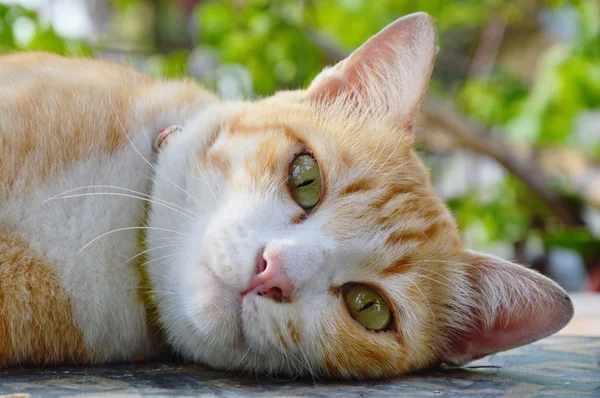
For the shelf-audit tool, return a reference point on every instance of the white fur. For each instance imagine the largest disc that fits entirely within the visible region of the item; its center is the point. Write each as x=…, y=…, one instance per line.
x=205, y=233
x=72, y=211
x=102, y=288
x=199, y=294
x=198, y=286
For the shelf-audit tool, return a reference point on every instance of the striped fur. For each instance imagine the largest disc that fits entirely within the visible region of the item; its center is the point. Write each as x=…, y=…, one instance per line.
x=219, y=195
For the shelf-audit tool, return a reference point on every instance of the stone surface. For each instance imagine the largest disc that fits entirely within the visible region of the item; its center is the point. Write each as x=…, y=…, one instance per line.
x=557, y=366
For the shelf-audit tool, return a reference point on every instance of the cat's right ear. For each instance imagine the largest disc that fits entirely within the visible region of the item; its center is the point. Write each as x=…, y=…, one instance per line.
x=387, y=76
x=507, y=306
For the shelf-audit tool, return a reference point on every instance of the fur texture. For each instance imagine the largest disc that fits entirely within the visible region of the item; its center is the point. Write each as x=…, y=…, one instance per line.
x=76, y=166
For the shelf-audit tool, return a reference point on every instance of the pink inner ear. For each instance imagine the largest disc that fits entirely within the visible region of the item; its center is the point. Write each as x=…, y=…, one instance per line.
x=512, y=306
x=509, y=331
x=387, y=74
x=349, y=78
x=334, y=83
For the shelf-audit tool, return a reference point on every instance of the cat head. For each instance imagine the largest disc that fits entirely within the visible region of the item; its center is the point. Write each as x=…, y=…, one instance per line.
x=303, y=235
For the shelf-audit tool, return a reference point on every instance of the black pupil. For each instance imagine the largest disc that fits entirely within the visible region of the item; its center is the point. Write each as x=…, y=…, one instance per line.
x=368, y=305
x=305, y=183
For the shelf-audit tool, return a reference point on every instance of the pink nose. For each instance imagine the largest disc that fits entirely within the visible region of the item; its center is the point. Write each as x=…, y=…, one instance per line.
x=271, y=279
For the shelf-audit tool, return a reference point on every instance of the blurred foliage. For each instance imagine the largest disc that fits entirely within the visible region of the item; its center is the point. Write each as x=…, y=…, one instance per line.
x=270, y=37
x=34, y=35
x=260, y=46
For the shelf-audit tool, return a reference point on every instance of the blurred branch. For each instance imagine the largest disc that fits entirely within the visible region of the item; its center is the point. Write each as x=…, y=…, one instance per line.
x=466, y=134
x=488, y=48
x=327, y=46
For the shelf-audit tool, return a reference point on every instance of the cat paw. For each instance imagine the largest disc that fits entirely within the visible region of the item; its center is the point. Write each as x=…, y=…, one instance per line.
x=163, y=137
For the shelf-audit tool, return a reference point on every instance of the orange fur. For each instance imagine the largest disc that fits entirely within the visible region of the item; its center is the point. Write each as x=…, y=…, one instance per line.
x=379, y=220
x=41, y=95
x=393, y=195
x=56, y=113
x=36, y=323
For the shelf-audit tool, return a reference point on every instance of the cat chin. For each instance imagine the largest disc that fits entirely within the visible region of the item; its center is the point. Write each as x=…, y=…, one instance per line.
x=218, y=328
x=210, y=322
x=200, y=319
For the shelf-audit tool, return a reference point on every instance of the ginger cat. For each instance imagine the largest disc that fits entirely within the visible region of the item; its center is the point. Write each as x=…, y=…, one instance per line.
x=297, y=234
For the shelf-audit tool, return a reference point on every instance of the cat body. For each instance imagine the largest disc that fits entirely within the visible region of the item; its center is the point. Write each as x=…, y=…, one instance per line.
x=66, y=125
x=295, y=234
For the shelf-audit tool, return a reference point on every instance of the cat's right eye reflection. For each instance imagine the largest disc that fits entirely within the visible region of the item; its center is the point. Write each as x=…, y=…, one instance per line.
x=305, y=181
x=367, y=307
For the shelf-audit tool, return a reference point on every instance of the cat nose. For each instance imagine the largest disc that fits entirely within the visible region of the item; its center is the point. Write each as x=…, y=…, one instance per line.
x=271, y=280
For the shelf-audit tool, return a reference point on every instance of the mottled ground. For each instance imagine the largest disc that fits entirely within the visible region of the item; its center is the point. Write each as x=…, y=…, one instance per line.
x=557, y=366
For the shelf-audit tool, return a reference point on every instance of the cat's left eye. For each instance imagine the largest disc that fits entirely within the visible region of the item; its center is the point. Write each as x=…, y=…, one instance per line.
x=367, y=307
x=304, y=180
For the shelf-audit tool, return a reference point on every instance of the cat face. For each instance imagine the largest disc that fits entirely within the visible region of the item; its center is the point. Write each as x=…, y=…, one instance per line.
x=304, y=236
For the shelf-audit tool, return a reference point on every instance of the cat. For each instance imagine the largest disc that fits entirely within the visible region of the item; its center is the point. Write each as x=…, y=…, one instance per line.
x=297, y=234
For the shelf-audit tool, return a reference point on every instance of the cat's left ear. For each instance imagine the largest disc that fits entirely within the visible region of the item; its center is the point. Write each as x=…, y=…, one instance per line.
x=505, y=306
x=387, y=76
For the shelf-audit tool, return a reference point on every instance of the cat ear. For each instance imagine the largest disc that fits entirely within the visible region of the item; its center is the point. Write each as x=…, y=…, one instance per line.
x=387, y=76
x=508, y=306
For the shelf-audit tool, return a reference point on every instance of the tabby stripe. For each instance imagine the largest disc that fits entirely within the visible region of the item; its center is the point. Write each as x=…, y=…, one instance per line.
x=360, y=186
x=428, y=234
x=392, y=192
x=237, y=127
x=399, y=266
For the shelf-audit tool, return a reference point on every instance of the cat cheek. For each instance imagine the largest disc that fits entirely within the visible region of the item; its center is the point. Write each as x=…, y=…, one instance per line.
x=349, y=352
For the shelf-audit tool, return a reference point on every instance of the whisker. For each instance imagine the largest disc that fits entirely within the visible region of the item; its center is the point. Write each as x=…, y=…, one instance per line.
x=149, y=250
x=128, y=196
x=240, y=360
x=207, y=185
x=443, y=276
x=389, y=157
x=448, y=262
x=424, y=297
x=308, y=367
x=431, y=279
x=372, y=164
x=165, y=239
x=165, y=257
x=122, y=189
x=127, y=229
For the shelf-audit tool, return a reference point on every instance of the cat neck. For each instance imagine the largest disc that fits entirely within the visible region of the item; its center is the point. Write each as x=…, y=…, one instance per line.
x=144, y=285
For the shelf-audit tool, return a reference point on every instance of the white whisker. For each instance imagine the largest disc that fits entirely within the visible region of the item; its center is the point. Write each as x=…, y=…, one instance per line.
x=168, y=256
x=431, y=279
x=424, y=298
x=149, y=250
x=127, y=229
x=128, y=196
x=121, y=189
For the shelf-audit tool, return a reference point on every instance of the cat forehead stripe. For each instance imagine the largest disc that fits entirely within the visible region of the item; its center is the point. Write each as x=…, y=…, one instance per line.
x=360, y=186
x=399, y=266
x=240, y=127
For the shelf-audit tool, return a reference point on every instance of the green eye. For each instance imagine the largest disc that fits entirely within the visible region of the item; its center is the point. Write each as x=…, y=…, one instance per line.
x=305, y=180
x=367, y=307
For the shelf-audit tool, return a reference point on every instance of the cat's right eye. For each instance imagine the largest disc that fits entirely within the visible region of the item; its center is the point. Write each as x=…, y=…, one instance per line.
x=367, y=307
x=304, y=180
